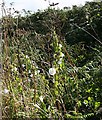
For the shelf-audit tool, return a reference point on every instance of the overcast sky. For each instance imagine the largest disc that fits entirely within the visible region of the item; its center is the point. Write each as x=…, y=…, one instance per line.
x=34, y=5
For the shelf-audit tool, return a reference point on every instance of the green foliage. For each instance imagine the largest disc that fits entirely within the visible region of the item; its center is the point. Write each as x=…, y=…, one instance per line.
x=52, y=64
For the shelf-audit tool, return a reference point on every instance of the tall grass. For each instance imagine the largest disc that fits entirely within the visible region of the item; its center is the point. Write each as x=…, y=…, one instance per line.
x=39, y=76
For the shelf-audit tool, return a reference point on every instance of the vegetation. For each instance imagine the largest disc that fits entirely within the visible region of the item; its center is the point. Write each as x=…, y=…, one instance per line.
x=52, y=63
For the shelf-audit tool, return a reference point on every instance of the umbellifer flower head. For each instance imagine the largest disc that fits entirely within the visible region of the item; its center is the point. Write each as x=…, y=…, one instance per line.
x=52, y=71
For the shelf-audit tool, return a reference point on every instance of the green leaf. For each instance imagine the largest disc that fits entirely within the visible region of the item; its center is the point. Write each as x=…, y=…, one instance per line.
x=86, y=102
x=56, y=84
x=90, y=98
x=56, y=92
x=79, y=103
x=97, y=104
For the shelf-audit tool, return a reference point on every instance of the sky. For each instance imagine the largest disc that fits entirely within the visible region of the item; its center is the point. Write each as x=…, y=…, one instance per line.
x=34, y=5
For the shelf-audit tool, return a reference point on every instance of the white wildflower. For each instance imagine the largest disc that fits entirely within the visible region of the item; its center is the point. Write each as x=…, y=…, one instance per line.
x=71, y=20
x=37, y=72
x=29, y=80
x=87, y=17
x=23, y=65
x=29, y=71
x=76, y=68
x=27, y=56
x=61, y=55
x=6, y=91
x=41, y=98
x=32, y=90
x=49, y=107
x=38, y=17
x=27, y=108
x=36, y=67
x=59, y=62
x=31, y=75
x=14, y=69
x=52, y=71
x=60, y=45
x=37, y=106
